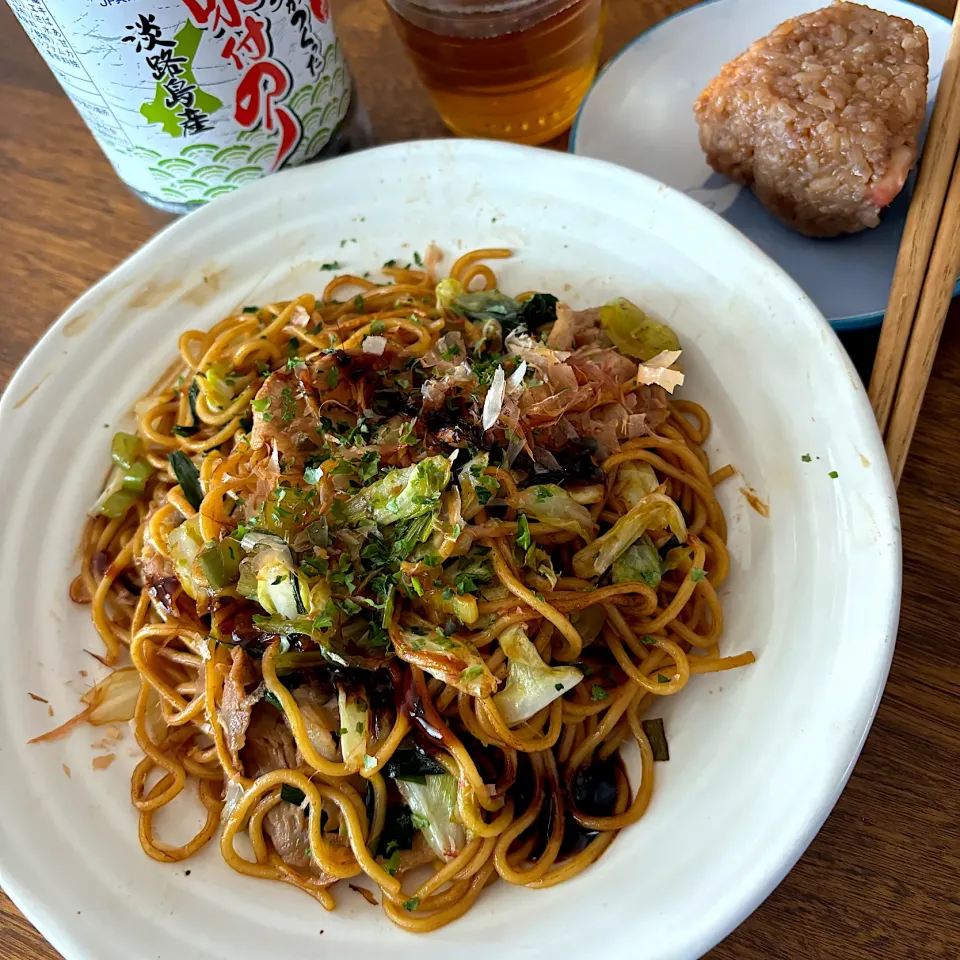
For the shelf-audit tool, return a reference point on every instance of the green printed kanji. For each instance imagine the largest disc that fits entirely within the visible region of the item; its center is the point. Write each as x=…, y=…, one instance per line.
x=156, y=111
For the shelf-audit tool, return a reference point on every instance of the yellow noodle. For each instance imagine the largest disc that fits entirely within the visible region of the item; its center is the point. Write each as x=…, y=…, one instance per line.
x=199, y=695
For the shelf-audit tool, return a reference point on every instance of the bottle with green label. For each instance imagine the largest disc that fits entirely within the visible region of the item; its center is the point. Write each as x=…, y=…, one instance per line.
x=190, y=99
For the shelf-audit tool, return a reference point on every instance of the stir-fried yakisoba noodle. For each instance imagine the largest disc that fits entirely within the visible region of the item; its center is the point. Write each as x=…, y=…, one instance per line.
x=400, y=568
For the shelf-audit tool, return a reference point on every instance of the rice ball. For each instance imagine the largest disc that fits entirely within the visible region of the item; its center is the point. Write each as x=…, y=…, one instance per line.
x=821, y=117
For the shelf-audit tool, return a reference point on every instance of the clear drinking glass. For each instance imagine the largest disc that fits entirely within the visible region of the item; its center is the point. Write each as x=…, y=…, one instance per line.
x=509, y=70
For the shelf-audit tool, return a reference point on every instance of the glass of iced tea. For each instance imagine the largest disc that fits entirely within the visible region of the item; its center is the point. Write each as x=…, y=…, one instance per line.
x=504, y=69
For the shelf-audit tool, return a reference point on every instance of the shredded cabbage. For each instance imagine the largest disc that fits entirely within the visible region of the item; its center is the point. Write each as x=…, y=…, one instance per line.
x=470, y=573
x=635, y=480
x=185, y=543
x=447, y=292
x=464, y=607
x=552, y=505
x=531, y=684
x=456, y=663
x=432, y=804
x=486, y=305
x=476, y=488
x=639, y=563
x=540, y=562
x=354, y=726
x=633, y=332
x=270, y=576
x=114, y=698
x=401, y=494
x=282, y=589
x=653, y=512
x=218, y=383
x=589, y=622
x=446, y=529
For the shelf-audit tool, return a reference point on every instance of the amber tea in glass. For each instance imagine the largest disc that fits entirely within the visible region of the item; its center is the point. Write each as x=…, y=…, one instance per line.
x=510, y=70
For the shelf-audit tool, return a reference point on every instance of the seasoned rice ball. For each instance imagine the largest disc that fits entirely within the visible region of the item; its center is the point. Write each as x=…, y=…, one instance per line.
x=820, y=118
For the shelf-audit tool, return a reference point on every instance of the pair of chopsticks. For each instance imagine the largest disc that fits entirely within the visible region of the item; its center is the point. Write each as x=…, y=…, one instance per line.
x=926, y=273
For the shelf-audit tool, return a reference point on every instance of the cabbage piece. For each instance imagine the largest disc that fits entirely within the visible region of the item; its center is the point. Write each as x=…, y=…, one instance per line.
x=281, y=588
x=653, y=512
x=447, y=292
x=540, y=562
x=218, y=383
x=270, y=576
x=476, y=488
x=401, y=494
x=589, y=622
x=354, y=725
x=486, y=305
x=255, y=539
x=496, y=591
x=432, y=804
x=447, y=601
x=531, y=684
x=446, y=528
x=185, y=543
x=635, y=479
x=320, y=604
x=456, y=663
x=471, y=571
x=114, y=698
x=552, y=505
x=287, y=508
x=359, y=644
x=639, y=563
x=544, y=566
x=320, y=618
x=633, y=332
x=409, y=534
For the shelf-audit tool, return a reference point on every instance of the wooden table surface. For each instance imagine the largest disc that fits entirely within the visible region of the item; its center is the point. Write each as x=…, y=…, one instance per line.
x=882, y=879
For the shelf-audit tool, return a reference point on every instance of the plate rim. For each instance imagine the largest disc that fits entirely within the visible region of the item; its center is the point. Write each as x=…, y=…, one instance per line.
x=862, y=321
x=759, y=887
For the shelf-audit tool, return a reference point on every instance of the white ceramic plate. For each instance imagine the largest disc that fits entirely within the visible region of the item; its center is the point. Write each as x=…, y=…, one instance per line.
x=639, y=114
x=758, y=756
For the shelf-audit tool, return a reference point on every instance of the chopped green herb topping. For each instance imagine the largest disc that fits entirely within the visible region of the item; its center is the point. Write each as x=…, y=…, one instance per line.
x=524, y=540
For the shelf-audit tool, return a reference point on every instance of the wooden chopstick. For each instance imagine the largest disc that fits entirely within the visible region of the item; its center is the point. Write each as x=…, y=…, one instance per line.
x=923, y=218
x=938, y=287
